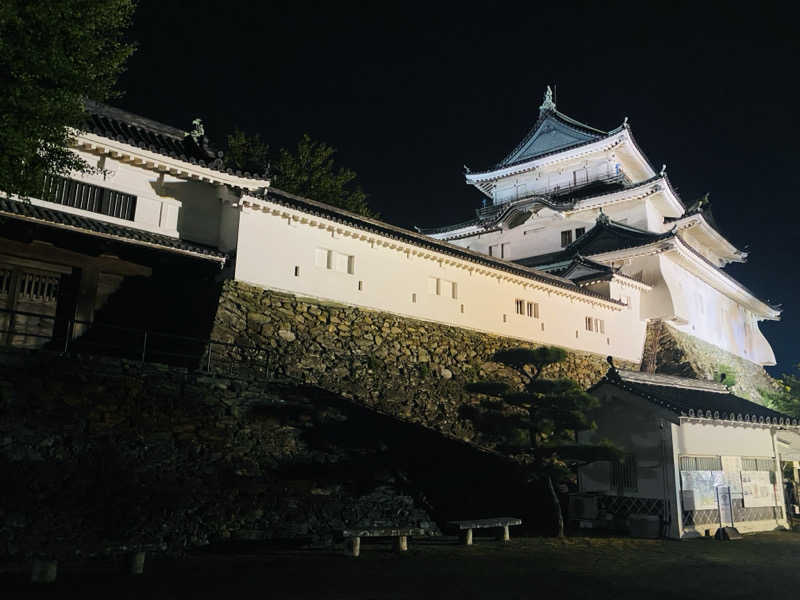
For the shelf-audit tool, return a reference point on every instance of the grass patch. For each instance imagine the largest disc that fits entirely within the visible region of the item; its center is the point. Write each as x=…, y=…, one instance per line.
x=760, y=566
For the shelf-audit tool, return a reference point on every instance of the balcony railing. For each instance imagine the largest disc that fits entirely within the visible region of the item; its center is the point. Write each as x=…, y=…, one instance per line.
x=86, y=196
x=558, y=194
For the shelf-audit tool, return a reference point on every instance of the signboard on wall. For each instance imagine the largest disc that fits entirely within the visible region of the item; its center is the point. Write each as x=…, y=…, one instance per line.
x=699, y=489
x=732, y=467
x=758, y=489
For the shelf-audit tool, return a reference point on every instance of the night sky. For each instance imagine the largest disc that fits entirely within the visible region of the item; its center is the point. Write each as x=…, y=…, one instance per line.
x=410, y=94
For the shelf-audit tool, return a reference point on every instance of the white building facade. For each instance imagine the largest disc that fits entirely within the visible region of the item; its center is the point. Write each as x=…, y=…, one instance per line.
x=696, y=456
x=571, y=191
x=158, y=187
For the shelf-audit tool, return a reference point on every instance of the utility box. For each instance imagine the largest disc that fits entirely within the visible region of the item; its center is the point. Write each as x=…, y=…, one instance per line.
x=645, y=526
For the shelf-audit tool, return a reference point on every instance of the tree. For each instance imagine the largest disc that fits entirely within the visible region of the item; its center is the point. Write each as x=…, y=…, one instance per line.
x=786, y=397
x=247, y=153
x=539, y=422
x=53, y=55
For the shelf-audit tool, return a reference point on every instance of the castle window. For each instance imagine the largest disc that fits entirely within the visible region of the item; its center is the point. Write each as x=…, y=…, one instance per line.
x=595, y=325
x=519, y=306
x=566, y=238
x=442, y=287
x=334, y=261
x=624, y=475
x=297, y=271
x=579, y=232
x=533, y=310
x=85, y=196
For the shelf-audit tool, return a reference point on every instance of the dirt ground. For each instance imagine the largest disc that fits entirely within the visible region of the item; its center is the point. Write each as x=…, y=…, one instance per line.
x=759, y=566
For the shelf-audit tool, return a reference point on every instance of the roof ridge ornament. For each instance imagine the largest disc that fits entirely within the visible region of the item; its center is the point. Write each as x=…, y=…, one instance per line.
x=547, y=103
x=663, y=170
x=602, y=217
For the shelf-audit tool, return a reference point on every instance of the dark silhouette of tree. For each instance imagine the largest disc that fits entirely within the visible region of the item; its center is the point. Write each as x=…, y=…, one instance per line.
x=537, y=421
x=785, y=397
x=309, y=171
x=247, y=153
x=54, y=55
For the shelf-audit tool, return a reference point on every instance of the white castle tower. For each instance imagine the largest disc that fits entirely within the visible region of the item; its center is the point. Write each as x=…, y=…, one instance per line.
x=583, y=203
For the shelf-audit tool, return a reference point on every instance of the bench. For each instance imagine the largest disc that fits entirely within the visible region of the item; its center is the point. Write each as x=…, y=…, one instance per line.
x=353, y=537
x=502, y=523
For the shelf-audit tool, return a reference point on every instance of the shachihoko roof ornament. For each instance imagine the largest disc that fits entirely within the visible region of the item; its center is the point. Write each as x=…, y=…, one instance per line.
x=547, y=103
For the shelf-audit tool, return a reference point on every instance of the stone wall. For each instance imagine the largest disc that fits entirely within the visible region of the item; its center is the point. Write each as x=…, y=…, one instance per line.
x=99, y=455
x=685, y=355
x=412, y=369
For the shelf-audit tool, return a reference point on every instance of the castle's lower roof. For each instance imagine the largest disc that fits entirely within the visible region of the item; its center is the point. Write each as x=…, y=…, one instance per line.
x=25, y=211
x=693, y=398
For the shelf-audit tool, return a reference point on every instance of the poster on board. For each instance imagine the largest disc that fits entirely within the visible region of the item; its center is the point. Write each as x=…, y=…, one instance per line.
x=699, y=489
x=758, y=489
x=732, y=467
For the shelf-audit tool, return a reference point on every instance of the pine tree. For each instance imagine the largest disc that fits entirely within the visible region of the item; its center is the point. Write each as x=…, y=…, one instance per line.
x=538, y=421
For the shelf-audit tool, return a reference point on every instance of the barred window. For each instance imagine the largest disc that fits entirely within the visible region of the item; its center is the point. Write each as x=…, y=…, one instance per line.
x=624, y=474
x=519, y=306
x=86, y=196
x=758, y=464
x=701, y=463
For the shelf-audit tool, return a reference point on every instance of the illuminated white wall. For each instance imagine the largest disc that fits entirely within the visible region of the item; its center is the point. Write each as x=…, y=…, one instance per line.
x=282, y=249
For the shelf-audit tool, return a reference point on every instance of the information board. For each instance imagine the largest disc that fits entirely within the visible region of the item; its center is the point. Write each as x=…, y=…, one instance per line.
x=732, y=467
x=699, y=489
x=758, y=489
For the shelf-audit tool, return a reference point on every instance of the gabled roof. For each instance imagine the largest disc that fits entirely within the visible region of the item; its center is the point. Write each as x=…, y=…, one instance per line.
x=25, y=211
x=582, y=269
x=693, y=398
x=128, y=128
x=605, y=236
x=552, y=131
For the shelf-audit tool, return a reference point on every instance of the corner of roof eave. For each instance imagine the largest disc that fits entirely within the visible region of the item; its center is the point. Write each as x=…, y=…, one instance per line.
x=636, y=151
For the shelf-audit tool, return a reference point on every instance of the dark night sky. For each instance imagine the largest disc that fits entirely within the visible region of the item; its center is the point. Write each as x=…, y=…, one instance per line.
x=409, y=94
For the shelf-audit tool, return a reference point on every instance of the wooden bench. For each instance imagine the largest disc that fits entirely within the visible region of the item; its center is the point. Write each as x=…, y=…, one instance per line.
x=353, y=537
x=502, y=523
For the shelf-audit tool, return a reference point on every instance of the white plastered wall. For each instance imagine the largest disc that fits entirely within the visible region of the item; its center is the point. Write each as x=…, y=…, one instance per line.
x=717, y=438
x=165, y=204
x=706, y=313
x=281, y=252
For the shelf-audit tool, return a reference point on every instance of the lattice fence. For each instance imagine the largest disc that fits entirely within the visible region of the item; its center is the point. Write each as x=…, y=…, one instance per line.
x=624, y=506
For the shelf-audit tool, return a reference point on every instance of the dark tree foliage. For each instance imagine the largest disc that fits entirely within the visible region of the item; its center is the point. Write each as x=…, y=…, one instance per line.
x=247, y=153
x=53, y=55
x=308, y=171
x=538, y=423
x=786, y=397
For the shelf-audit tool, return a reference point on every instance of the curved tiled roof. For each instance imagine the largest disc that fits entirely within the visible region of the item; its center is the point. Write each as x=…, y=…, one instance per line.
x=25, y=211
x=692, y=398
x=605, y=236
x=128, y=128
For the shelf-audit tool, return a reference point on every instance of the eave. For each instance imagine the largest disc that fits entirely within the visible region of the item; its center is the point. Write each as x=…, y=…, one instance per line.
x=639, y=191
x=160, y=163
x=621, y=138
x=723, y=248
x=699, y=265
